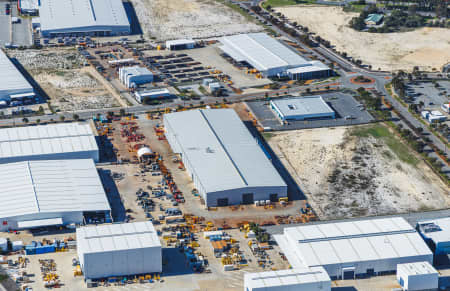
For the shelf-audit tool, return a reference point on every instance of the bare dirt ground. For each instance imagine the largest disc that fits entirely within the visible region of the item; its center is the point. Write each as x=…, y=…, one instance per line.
x=344, y=175
x=61, y=75
x=427, y=48
x=172, y=19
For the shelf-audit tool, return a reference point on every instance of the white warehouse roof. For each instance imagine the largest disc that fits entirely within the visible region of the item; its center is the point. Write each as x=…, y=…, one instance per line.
x=11, y=79
x=417, y=268
x=117, y=237
x=77, y=15
x=180, y=42
x=136, y=71
x=292, y=279
x=221, y=150
x=302, y=106
x=344, y=243
x=57, y=186
x=46, y=142
x=261, y=51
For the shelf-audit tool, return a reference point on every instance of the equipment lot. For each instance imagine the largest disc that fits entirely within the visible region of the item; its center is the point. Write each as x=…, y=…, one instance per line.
x=5, y=25
x=426, y=92
x=343, y=104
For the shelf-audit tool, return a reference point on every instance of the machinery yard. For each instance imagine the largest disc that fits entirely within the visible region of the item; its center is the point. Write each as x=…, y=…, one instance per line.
x=358, y=172
x=174, y=19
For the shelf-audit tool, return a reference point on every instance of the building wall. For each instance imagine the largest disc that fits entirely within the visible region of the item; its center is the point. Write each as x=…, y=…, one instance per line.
x=67, y=217
x=5, y=95
x=379, y=266
x=121, y=263
x=88, y=30
x=418, y=282
x=311, y=75
x=58, y=156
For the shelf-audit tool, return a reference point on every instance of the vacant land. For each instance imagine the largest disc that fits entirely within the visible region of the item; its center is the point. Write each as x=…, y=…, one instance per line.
x=427, y=48
x=62, y=76
x=358, y=171
x=172, y=19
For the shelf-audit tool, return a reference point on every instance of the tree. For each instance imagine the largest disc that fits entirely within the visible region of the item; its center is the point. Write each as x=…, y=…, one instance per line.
x=122, y=112
x=41, y=110
x=76, y=117
x=25, y=120
x=38, y=121
x=62, y=118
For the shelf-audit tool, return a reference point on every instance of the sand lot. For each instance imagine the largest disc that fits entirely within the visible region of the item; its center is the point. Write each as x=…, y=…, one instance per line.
x=427, y=48
x=344, y=175
x=63, y=77
x=173, y=19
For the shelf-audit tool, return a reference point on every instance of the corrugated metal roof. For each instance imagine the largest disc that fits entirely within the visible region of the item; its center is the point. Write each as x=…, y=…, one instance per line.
x=313, y=66
x=261, y=51
x=287, y=277
x=136, y=71
x=417, y=268
x=223, y=153
x=302, y=106
x=46, y=139
x=50, y=186
x=67, y=14
x=353, y=241
x=117, y=237
x=10, y=77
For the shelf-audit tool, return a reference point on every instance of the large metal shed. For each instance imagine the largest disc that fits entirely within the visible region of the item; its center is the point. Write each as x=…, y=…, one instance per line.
x=226, y=163
x=48, y=142
x=83, y=17
x=119, y=250
x=352, y=248
x=45, y=193
x=268, y=55
x=12, y=82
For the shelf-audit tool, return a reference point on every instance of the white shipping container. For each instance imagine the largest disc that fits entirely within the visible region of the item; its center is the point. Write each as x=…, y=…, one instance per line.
x=17, y=245
x=3, y=244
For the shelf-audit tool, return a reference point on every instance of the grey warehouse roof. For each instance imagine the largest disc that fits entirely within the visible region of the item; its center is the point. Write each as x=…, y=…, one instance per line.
x=68, y=14
x=10, y=77
x=308, y=105
x=261, y=51
x=117, y=237
x=46, y=139
x=286, y=277
x=136, y=71
x=50, y=186
x=221, y=150
x=352, y=241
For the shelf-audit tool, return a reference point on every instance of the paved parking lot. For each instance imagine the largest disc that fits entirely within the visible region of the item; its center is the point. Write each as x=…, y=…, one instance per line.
x=343, y=104
x=431, y=96
x=5, y=25
x=21, y=32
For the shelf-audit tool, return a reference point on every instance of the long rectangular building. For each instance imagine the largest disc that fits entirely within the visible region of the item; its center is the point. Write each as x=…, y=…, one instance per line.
x=306, y=279
x=302, y=108
x=349, y=249
x=119, y=250
x=48, y=142
x=270, y=57
x=44, y=193
x=224, y=160
x=83, y=17
x=12, y=82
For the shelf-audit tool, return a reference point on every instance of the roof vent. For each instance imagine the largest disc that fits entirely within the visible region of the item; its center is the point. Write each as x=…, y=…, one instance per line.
x=209, y=150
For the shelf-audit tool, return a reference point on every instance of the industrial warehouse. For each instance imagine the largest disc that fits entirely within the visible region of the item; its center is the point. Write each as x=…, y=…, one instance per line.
x=270, y=57
x=48, y=142
x=307, y=279
x=119, y=250
x=436, y=234
x=302, y=108
x=83, y=17
x=48, y=193
x=354, y=248
x=13, y=84
x=225, y=162
x=131, y=77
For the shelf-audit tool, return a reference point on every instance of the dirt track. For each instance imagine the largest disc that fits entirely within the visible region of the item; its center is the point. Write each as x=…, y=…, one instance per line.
x=427, y=48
